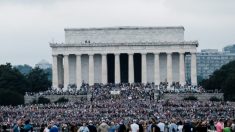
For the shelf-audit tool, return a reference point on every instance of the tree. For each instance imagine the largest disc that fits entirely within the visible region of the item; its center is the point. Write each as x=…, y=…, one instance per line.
x=228, y=87
x=214, y=98
x=223, y=79
x=62, y=100
x=24, y=69
x=42, y=100
x=8, y=97
x=11, y=79
x=38, y=80
x=199, y=79
x=49, y=73
x=192, y=98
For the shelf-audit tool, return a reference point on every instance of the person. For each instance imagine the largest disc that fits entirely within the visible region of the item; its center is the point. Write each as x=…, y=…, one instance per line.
x=180, y=126
x=27, y=126
x=91, y=127
x=219, y=126
x=141, y=128
x=18, y=126
x=112, y=127
x=134, y=126
x=122, y=127
x=187, y=126
x=227, y=127
x=54, y=127
x=154, y=126
x=103, y=127
x=83, y=128
x=233, y=125
x=73, y=127
x=4, y=128
x=173, y=126
x=47, y=128
x=161, y=125
x=212, y=125
x=149, y=125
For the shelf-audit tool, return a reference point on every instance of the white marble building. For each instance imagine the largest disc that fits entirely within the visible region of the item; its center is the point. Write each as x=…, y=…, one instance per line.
x=122, y=54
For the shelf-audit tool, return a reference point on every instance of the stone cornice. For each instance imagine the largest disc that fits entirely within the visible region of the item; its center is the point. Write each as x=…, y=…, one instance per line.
x=54, y=45
x=122, y=28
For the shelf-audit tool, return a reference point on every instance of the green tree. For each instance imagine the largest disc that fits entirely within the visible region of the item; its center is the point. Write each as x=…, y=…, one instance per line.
x=38, y=80
x=191, y=98
x=228, y=87
x=199, y=79
x=223, y=79
x=42, y=100
x=10, y=97
x=11, y=79
x=24, y=69
x=62, y=100
x=49, y=73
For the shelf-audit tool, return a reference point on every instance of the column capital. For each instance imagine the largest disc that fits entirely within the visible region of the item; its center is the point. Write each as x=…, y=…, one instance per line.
x=54, y=55
x=90, y=54
x=103, y=54
x=66, y=54
x=156, y=53
x=130, y=53
x=169, y=53
x=144, y=53
x=116, y=53
x=181, y=52
x=78, y=54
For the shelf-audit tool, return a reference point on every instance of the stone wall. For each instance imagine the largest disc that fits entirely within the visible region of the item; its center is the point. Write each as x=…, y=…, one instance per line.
x=124, y=34
x=53, y=98
x=181, y=96
x=200, y=96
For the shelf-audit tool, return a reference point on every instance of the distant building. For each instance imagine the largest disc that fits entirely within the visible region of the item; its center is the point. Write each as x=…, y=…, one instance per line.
x=229, y=49
x=209, y=60
x=43, y=64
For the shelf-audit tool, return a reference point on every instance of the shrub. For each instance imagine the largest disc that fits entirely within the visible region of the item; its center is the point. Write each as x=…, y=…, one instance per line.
x=62, y=100
x=42, y=100
x=216, y=99
x=190, y=98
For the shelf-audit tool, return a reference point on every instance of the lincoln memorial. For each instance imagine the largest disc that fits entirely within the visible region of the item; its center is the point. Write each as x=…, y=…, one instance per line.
x=122, y=55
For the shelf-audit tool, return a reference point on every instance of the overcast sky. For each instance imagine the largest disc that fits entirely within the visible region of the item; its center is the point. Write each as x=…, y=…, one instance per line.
x=27, y=26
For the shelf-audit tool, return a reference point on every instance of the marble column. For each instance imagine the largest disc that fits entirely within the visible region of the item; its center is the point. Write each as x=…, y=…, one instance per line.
x=130, y=68
x=117, y=68
x=55, y=72
x=66, y=71
x=156, y=69
x=144, y=70
x=78, y=71
x=169, y=68
x=60, y=70
x=182, y=68
x=91, y=69
x=104, y=68
x=193, y=69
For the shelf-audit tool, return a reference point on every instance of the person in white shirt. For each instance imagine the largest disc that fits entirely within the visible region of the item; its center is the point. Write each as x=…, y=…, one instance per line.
x=134, y=126
x=161, y=125
x=180, y=126
x=83, y=128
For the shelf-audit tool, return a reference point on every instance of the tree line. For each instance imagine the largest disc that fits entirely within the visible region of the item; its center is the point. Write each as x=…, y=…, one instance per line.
x=15, y=81
x=222, y=80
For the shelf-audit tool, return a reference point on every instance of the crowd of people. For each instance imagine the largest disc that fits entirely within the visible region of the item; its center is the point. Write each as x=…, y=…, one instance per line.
x=71, y=116
x=133, y=108
x=85, y=89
